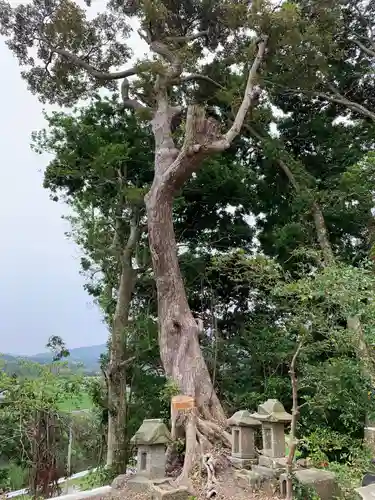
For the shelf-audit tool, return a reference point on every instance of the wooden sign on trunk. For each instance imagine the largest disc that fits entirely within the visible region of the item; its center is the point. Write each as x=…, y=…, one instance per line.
x=183, y=402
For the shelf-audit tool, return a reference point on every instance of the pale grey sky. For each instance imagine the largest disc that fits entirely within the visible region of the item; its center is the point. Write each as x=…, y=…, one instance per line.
x=40, y=287
x=41, y=291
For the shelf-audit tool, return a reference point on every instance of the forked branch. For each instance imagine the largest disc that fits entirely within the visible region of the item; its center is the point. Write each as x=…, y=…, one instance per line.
x=127, y=101
x=100, y=75
x=366, y=50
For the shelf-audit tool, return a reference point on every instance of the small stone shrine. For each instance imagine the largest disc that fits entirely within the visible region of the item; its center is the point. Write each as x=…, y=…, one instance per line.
x=243, y=439
x=151, y=440
x=273, y=418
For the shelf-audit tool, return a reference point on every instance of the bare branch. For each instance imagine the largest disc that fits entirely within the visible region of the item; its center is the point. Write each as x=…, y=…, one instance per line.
x=100, y=75
x=339, y=99
x=336, y=98
x=129, y=103
x=188, y=38
x=127, y=362
x=204, y=78
x=133, y=238
x=365, y=49
x=249, y=92
x=295, y=415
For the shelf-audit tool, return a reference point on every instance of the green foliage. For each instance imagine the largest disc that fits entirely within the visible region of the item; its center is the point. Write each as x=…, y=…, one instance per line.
x=13, y=477
x=52, y=390
x=303, y=491
x=169, y=390
x=338, y=453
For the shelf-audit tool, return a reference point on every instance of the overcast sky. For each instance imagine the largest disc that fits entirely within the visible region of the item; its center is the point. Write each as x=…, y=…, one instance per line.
x=41, y=291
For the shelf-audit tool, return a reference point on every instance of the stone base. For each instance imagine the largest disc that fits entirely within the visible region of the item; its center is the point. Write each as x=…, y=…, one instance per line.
x=162, y=489
x=272, y=463
x=243, y=463
x=248, y=478
x=120, y=482
x=322, y=481
x=366, y=492
x=139, y=484
x=266, y=472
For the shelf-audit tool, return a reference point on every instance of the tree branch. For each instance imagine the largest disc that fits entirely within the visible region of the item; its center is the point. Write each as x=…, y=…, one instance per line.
x=249, y=92
x=339, y=99
x=204, y=78
x=365, y=49
x=202, y=136
x=129, y=103
x=336, y=98
x=100, y=75
x=165, y=52
x=188, y=38
x=133, y=238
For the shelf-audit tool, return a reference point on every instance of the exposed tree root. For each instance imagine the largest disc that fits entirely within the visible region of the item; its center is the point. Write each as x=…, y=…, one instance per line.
x=202, y=439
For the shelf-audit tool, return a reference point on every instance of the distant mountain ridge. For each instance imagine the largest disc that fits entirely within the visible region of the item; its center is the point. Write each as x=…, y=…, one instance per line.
x=87, y=356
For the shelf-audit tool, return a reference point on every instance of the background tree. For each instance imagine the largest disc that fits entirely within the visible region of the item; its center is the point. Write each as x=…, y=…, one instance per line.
x=58, y=348
x=102, y=180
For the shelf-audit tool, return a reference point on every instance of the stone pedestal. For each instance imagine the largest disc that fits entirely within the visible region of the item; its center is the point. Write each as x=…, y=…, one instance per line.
x=322, y=481
x=272, y=463
x=273, y=418
x=366, y=492
x=243, y=439
x=242, y=463
x=163, y=490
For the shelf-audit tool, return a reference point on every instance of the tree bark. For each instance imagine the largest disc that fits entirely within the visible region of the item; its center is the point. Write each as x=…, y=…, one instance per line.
x=178, y=330
x=118, y=439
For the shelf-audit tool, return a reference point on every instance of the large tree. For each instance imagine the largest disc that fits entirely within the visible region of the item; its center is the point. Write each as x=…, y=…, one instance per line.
x=90, y=147
x=74, y=56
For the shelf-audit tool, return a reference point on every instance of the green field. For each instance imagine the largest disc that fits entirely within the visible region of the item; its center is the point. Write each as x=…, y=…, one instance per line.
x=81, y=402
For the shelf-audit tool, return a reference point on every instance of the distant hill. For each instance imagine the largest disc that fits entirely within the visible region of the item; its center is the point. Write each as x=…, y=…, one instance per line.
x=87, y=357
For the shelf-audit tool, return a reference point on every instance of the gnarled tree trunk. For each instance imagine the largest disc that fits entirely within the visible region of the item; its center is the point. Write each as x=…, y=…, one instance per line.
x=178, y=331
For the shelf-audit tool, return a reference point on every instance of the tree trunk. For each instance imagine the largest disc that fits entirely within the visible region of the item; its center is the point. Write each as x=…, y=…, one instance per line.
x=322, y=235
x=180, y=350
x=118, y=439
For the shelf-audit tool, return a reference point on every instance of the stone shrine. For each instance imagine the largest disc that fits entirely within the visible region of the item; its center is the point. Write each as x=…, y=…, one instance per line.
x=151, y=440
x=273, y=418
x=243, y=439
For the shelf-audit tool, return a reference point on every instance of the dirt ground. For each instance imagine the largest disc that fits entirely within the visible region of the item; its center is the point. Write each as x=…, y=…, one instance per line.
x=227, y=490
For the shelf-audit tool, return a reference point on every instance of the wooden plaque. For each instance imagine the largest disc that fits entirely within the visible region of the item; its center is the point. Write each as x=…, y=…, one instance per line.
x=183, y=402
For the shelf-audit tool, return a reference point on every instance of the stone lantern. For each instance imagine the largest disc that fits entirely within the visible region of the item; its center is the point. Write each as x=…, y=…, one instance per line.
x=273, y=418
x=243, y=439
x=151, y=440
